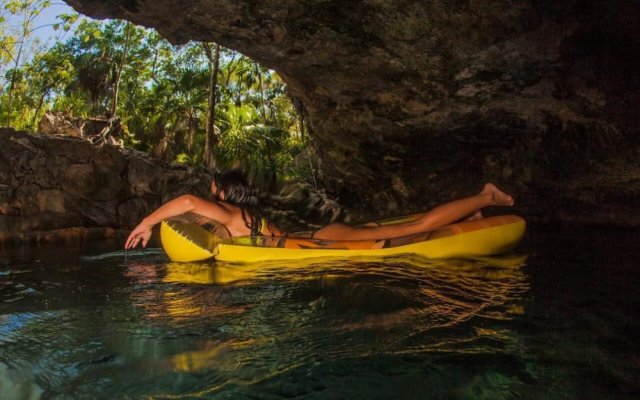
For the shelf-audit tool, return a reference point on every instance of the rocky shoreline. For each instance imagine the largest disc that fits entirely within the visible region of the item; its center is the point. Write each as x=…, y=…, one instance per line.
x=64, y=188
x=59, y=186
x=55, y=187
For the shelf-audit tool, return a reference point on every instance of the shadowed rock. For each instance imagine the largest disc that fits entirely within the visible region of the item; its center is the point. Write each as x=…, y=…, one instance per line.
x=415, y=102
x=54, y=187
x=62, y=187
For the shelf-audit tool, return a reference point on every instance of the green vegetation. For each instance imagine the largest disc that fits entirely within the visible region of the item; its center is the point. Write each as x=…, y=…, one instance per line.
x=199, y=104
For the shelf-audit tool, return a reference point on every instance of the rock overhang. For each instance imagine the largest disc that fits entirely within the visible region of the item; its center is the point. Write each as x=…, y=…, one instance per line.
x=413, y=100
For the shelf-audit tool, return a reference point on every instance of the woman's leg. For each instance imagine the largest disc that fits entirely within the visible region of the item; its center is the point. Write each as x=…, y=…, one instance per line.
x=442, y=215
x=458, y=209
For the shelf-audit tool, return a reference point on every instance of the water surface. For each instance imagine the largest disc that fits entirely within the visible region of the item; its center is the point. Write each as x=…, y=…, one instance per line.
x=557, y=319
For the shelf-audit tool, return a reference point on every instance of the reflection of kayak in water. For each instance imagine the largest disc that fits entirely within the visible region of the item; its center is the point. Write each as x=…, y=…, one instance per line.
x=185, y=241
x=500, y=268
x=398, y=297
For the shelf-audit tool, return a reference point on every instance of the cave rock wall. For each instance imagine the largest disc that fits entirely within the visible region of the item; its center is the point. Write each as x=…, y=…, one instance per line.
x=415, y=102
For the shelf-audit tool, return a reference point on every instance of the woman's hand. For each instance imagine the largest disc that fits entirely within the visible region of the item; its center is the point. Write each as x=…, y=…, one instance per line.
x=141, y=233
x=178, y=206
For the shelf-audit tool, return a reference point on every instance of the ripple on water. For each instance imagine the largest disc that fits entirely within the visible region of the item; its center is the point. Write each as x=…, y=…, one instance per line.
x=285, y=316
x=18, y=292
x=144, y=327
x=149, y=255
x=156, y=326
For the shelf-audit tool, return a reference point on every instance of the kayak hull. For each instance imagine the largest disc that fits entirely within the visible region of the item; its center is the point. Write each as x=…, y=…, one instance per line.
x=185, y=242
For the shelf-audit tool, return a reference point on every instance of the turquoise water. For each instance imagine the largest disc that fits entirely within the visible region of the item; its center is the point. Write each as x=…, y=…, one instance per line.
x=558, y=319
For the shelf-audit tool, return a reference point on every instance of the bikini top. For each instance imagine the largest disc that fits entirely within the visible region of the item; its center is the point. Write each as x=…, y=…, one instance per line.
x=213, y=227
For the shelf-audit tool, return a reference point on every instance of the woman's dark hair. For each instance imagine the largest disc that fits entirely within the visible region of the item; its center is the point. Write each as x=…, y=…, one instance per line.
x=238, y=192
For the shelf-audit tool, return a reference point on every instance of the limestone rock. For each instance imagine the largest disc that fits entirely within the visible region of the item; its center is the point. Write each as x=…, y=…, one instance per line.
x=98, y=129
x=57, y=186
x=415, y=102
x=60, y=124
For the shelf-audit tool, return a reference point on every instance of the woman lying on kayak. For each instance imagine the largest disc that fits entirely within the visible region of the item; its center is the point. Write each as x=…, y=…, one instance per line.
x=233, y=207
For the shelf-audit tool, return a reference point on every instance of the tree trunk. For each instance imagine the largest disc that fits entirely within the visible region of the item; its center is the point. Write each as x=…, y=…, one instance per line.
x=272, y=166
x=211, y=138
x=301, y=124
x=13, y=83
x=231, y=67
x=263, y=108
x=116, y=83
x=34, y=121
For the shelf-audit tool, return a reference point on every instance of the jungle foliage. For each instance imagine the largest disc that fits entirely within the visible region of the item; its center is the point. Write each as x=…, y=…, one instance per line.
x=199, y=103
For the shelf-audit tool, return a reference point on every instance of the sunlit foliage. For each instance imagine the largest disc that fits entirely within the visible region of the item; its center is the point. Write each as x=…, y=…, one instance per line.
x=159, y=91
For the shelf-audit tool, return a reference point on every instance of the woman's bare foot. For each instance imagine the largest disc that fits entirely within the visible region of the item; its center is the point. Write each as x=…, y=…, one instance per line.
x=499, y=197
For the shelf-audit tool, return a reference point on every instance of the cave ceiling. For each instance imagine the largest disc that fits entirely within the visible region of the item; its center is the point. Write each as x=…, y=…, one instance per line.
x=411, y=101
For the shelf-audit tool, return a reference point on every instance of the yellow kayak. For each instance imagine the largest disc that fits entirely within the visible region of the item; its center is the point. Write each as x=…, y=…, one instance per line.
x=186, y=242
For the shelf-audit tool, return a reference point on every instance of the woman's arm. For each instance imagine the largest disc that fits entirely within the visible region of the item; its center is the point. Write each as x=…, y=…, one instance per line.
x=177, y=206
